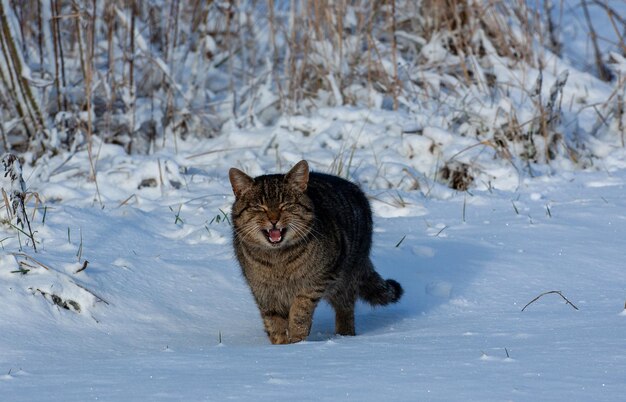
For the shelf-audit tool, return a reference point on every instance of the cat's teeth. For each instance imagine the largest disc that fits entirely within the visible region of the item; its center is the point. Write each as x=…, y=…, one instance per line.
x=275, y=235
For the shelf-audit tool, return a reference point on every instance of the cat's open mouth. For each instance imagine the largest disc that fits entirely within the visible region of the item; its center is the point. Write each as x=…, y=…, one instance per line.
x=274, y=236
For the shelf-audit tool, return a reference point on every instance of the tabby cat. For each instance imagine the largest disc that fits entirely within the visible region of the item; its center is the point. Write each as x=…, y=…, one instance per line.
x=301, y=237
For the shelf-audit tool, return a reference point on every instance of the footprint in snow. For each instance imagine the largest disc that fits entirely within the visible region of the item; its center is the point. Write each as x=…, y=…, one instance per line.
x=441, y=289
x=423, y=251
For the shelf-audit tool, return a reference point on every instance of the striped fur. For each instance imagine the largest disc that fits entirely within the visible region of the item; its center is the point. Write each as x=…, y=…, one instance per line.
x=301, y=237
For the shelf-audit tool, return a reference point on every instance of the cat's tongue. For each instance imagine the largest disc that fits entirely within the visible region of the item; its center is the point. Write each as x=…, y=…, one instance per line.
x=274, y=235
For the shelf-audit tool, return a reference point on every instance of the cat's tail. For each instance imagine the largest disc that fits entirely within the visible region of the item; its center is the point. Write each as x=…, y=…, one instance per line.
x=378, y=291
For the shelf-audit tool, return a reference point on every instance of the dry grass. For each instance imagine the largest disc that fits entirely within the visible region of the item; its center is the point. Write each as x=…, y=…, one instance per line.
x=141, y=73
x=16, y=197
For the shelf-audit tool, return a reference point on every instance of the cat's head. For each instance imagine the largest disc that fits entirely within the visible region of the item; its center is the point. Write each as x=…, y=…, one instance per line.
x=272, y=211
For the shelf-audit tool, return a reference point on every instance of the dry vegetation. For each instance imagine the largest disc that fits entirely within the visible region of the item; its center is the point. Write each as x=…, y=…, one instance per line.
x=137, y=72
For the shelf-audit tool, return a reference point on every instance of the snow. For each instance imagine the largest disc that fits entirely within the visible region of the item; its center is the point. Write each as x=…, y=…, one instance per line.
x=134, y=292
x=162, y=288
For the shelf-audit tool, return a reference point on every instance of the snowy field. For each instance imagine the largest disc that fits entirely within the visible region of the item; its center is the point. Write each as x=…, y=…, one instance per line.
x=134, y=293
x=165, y=314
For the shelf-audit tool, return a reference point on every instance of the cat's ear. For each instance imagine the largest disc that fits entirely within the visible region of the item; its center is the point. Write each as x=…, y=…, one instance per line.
x=298, y=176
x=240, y=181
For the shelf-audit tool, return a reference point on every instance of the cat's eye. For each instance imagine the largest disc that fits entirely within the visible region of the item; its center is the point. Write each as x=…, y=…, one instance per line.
x=258, y=207
x=287, y=205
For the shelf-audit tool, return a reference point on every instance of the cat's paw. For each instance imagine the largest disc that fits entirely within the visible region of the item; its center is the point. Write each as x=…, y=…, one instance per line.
x=279, y=339
x=295, y=338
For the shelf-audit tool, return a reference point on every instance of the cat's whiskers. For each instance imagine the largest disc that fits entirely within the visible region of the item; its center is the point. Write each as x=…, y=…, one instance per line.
x=312, y=228
x=303, y=229
x=246, y=230
x=296, y=229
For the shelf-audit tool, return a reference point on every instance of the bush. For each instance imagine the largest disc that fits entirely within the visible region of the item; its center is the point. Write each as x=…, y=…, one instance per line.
x=137, y=72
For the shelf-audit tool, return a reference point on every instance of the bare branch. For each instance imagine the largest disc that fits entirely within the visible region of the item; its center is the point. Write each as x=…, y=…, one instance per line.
x=558, y=292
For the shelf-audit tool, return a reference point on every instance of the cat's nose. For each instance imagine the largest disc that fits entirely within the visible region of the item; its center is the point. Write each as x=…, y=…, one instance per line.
x=273, y=217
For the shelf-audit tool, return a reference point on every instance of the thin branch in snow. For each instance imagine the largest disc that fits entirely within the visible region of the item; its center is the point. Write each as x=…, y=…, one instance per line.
x=61, y=273
x=558, y=292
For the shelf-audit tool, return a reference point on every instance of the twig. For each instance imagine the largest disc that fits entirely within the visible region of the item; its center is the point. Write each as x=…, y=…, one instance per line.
x=126, y=200
x=620, y=117
x=23, y=255
x=394, y=55
x=160, y=173
x=610, y=11
x=28, y=257
x=439, y=232
x=555, y=45
x=84, y=267
x=485, y=143
x=603, y=72
x=218, y=150
x=558, y=292
x=91, y=292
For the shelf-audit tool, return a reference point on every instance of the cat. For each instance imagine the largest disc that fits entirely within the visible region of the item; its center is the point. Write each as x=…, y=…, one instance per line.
x=301, y=237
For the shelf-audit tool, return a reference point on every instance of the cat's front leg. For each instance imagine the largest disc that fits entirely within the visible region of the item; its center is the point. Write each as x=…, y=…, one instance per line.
x=301, y=316
x=276, y=327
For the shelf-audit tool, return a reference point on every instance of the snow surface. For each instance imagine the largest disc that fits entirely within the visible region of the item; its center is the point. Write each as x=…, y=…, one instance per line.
x=159, y=292
x=166, y=315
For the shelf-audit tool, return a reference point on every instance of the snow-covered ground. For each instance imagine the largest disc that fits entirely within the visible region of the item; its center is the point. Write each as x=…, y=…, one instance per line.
x=134, y=292
x=162, y=288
